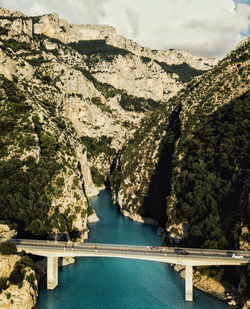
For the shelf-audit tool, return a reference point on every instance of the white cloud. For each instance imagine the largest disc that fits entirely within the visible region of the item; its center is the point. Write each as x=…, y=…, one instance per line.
x=209, y=28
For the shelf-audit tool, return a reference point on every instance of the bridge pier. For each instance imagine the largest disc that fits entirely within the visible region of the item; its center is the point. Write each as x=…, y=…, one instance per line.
x=52, y=272
x=189, y=283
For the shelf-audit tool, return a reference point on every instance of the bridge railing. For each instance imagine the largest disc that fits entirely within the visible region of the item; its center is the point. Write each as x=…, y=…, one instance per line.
x=125, y=247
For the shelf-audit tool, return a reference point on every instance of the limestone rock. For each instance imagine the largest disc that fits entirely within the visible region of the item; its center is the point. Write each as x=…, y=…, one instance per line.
x=145, y=79
x=67, y=260
x=14, y=297
x=177, y=232
x=93, y=218
x=246, y=305
x=7, y=264
x=6, y=233
x=140, y=71
x=137, y=218
x=243, y=239
x=7, y=65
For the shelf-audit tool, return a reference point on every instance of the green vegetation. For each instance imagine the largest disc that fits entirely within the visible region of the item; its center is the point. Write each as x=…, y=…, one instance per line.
x=3, y=31
x=25, y=186
x=203, y=180
x=213, y=176
x=18, y=273
x=97, y=178
x=96, y=146
x=16, y=45
x=7, y=248
x=128, y=102
x=31, y=279
x=3, y=284
x=183, y=70
x=60, y=182
x=37, y=62
x=105, y=108
x=131, y=103
x=215, y=272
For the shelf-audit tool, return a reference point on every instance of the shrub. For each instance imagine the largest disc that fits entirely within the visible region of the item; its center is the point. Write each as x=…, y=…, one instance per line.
x=60, y=182
x=3, y=284
x=31, y=279
x=7, y=248
x=17, y=275
x=97, y=178
x=27, y=261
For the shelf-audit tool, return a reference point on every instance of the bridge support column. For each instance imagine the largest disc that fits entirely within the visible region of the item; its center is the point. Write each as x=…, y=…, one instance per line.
x=189, y=283
x=52, y=272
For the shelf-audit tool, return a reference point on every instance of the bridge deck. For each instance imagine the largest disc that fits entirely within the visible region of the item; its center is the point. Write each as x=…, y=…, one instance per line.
x=195, y=257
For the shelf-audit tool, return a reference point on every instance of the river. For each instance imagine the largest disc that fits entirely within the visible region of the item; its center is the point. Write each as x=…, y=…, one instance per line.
x=112, y=283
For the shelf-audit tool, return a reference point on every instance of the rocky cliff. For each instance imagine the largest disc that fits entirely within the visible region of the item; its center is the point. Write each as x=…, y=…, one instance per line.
x=71, y=95
x=120, y=61
x=18, y=284
x=15, y=296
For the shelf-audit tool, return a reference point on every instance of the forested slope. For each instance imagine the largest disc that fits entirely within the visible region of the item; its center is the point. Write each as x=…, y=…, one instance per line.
x=187, y=166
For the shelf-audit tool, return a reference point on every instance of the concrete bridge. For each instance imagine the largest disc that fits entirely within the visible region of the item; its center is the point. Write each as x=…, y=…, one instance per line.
x=195, y=257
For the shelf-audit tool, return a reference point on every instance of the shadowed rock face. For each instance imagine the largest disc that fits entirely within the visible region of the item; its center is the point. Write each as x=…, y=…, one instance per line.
x=154, y=203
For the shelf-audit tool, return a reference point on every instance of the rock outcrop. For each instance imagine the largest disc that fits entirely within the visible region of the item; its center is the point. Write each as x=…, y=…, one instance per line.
x=6, y=233
x=17, y=296
x=204, y=283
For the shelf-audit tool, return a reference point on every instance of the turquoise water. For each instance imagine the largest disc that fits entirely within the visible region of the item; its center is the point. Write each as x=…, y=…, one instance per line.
x=110, y=283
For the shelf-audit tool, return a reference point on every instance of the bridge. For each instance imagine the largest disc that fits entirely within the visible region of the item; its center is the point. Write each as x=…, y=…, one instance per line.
x=194, y=257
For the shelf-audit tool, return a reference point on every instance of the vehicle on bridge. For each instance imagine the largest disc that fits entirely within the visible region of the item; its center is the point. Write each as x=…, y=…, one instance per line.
x=181, y=251
x=237, y=256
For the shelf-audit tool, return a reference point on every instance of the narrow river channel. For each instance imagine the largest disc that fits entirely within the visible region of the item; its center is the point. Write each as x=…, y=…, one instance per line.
x=111, y=283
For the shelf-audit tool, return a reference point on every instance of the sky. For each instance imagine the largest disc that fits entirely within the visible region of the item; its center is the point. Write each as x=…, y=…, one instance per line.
x=208, y=28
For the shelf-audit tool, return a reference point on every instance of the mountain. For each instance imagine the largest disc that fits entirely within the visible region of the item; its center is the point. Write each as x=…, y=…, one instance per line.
x=71, y=95
x=83, y=108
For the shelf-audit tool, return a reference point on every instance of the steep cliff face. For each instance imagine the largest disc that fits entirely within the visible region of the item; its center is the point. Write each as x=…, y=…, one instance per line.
x=118, y=61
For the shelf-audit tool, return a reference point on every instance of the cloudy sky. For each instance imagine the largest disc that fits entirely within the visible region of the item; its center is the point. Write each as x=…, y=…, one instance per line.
x=203, y=27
